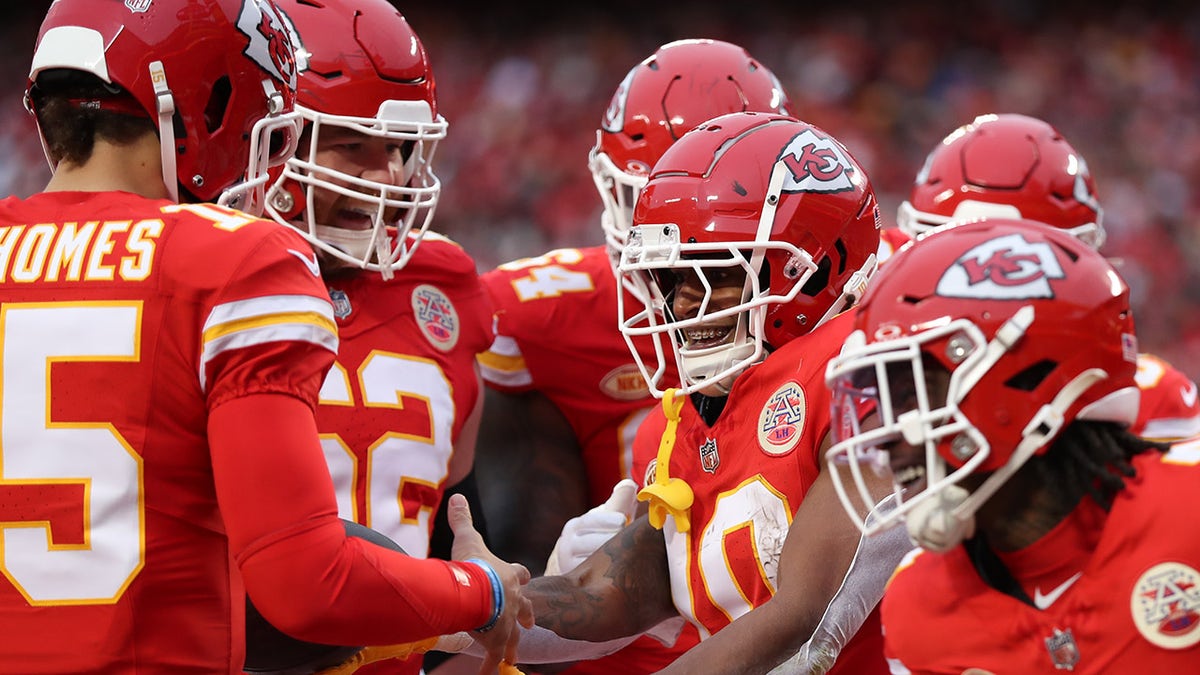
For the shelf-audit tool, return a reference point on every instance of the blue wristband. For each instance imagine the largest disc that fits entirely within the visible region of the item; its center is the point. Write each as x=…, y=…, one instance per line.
x=497, y=594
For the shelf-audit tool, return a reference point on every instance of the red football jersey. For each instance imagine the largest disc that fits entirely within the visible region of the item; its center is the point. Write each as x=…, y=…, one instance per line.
x=402, y=387
x=1131, y=604
x=1168, y=410
x=748, y=473
x=557, y=333
x=125, y=320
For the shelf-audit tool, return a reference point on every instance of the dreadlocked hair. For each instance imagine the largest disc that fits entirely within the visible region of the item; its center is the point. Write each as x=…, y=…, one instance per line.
x=71, y=129
x=1094, y=458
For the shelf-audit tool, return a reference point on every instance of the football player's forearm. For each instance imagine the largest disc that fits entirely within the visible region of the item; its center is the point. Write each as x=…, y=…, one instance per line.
x=320, y=586
x=620, y=590
x=752, y=644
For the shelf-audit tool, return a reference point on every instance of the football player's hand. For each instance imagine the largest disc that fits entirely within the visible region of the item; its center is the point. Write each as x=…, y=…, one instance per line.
x=500, y=640
x=582, y=535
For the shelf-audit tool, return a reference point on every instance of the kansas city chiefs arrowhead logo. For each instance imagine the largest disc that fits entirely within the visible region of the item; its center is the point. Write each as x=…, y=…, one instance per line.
x=614, y=115
x=816, y=164
x=271, y=39
x=1004, y=268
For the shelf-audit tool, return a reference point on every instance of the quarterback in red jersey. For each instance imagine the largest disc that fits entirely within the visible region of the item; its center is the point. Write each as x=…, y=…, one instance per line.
x=999, y=392
x=752, y=230
x=1015, y=166
x=161, y=365
x=587, y=374
x=399, y=410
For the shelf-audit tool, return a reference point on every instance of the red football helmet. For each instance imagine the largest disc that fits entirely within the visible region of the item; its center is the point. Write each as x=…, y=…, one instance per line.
x=767, y=195
x=681, y=85
x=1009, y=166
x=217, y=77
x=362, y=70
x=978, y=344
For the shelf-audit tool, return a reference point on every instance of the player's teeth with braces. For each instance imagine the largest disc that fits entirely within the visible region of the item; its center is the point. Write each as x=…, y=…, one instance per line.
x=706, y=334
x=911, y=474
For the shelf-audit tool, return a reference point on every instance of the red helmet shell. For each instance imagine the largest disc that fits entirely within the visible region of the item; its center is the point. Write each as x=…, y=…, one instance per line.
x=353, y=59
x=680, y=86
x=712, y=185
x=215, y=58
x=985, y=271
x=1004, y=165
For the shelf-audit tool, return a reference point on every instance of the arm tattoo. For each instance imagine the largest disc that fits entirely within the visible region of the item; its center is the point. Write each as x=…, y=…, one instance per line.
x=623, y=589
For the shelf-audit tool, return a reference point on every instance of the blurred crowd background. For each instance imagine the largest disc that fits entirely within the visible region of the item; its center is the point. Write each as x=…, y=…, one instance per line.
x=524, y=88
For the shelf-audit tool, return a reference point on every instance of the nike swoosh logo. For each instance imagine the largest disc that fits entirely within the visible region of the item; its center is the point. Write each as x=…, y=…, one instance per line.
x=1043, y=601
x=310, y=263
x=1188, y=394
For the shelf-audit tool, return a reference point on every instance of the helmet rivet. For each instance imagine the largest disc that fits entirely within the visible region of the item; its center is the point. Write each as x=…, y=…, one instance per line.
x=959, y=347
x=198, y=180
x=772, y=199
x=282, y=200
x=962, y=447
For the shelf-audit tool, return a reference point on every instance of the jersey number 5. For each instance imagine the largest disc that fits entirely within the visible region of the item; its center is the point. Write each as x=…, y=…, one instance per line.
x=99, y=473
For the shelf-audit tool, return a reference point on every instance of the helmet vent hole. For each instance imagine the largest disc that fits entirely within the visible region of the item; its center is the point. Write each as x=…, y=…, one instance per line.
x=842, y=255
x=218, y=104
x=820, y=278
x=1031, y=377
x=1066, y=251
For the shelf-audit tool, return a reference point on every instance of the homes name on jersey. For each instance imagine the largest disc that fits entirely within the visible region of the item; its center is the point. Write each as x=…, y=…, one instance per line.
x=89, y=251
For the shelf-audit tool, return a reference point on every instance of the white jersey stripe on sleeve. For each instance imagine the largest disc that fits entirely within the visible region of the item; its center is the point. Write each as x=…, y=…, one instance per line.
x=262, y=320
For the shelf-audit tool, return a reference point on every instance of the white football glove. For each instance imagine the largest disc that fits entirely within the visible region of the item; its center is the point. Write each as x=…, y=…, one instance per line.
x=582, y=535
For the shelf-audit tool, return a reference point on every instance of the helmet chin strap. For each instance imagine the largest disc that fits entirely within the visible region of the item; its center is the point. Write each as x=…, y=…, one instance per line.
x=942, y=523
x=743, y=346
x=166, y=128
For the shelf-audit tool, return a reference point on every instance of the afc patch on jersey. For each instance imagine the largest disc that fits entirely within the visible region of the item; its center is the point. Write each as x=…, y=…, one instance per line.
x=435, y=316
x=781, y=422
x=1165, y=605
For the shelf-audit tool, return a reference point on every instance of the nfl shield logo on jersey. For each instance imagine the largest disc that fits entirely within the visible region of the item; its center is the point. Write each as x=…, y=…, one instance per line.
x=1063, y=650
x=709, y=459
x=341, y=303
x=137, y=5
